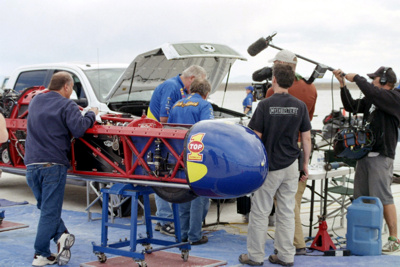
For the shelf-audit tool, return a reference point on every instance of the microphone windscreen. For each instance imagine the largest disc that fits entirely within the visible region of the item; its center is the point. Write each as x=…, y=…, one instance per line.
x=257, y=47
x=262, y=74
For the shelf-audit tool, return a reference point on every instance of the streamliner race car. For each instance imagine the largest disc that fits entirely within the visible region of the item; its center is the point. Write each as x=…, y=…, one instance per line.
x=179, y=162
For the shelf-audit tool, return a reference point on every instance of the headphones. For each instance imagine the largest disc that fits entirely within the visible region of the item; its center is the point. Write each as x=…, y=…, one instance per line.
x=383, y=78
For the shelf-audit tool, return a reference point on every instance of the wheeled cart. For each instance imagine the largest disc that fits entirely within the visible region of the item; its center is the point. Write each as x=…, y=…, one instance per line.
x=130, y=190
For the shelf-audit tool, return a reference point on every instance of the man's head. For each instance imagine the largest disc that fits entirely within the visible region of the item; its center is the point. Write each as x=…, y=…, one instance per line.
x=191, y=73
x=200, y=86
x=283, y=75
x=63, y=83
x=384, y=77
x=285, y=57
x=249, y=89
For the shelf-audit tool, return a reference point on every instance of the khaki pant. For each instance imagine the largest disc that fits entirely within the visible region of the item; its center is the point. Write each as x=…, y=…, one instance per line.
x=298, y=230
x=283, y=185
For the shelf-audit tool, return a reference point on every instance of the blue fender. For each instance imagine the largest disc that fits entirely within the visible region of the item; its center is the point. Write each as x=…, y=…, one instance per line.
x=224, y=160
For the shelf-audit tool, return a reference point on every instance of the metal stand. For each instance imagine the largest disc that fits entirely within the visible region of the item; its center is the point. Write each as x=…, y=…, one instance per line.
x=218, y=216
x=134, y=192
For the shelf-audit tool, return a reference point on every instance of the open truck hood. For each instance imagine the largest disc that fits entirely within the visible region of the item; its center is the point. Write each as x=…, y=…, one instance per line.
x=154, y=67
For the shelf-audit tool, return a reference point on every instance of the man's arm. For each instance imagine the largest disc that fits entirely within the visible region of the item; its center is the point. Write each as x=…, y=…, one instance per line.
x=258, y=133
x=306, y=141
x=163, y=119
x=348, y=102
x=3, y=129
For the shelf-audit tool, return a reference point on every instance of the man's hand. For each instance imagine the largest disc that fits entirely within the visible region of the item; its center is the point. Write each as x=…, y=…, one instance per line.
x=303, y=176
x=95, y=110
x=339, y=76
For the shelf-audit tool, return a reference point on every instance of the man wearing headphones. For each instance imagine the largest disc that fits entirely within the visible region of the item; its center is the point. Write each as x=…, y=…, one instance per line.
x=374, y=172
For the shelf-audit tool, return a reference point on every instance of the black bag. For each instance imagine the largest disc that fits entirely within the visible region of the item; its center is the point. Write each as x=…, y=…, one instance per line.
x=352, y=143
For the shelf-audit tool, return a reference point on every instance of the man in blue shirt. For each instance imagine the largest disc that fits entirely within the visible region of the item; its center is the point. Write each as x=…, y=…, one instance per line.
x=190, y=110
x=52, y=119
x=170, y=91
x=248, y=101
x=163, y=98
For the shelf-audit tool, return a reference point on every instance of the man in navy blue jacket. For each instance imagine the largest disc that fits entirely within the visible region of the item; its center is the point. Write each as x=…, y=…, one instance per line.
x=53, y=119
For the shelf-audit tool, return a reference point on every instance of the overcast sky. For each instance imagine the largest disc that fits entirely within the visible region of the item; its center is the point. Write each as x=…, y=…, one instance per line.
x=355, y=35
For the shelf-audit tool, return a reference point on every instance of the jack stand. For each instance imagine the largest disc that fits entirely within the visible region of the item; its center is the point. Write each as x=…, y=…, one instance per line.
x=322, y=240
x=128, y=190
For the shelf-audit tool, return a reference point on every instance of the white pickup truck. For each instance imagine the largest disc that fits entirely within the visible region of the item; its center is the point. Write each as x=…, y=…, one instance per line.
x=110, y=87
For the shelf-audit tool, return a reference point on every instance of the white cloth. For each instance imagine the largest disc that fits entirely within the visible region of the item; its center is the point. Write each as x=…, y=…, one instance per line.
x=283, y=185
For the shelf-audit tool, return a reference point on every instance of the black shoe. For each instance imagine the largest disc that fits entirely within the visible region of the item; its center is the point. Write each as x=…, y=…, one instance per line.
x=168, y=229
x=203, y=240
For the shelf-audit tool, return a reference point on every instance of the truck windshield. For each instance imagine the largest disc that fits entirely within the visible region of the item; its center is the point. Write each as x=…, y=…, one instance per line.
x=103, y=80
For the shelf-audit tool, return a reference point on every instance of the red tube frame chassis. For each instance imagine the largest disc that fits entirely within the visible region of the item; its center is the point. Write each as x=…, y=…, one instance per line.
x=137, y=127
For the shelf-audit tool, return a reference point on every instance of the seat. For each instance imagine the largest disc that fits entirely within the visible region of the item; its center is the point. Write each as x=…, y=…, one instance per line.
x=340, y=189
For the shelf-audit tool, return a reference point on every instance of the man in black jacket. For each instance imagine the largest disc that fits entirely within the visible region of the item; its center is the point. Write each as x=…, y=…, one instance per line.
x=374, y=172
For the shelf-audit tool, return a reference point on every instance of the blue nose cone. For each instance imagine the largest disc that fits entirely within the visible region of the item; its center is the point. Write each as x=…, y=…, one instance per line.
x=224, y=160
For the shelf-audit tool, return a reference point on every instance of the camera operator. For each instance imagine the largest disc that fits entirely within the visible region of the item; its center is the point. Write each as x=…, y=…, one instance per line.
x=308, y=94
x=374, y=172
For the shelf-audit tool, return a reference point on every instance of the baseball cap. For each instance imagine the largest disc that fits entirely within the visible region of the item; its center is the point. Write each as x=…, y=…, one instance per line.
x=251, y=88
x=390, y=75
x=285, y=56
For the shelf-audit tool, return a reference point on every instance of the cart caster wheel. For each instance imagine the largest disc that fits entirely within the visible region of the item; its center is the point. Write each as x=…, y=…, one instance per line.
x=142, y=264
x=185, y=255
x=102, y=257
x=147, y=247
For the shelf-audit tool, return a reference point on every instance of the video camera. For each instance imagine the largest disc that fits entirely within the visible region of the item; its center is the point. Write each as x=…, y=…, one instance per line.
x=261, y=75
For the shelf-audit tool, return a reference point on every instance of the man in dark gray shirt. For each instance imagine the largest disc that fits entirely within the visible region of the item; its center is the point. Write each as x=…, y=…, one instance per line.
x=278, y=121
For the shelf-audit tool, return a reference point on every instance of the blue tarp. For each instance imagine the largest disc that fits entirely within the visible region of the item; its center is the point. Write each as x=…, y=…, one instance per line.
x=16, y=247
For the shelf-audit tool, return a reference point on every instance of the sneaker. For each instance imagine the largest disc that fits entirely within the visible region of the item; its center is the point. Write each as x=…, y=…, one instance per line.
x=157, y=227
x=39, y=260
x=64, y=244
x=275, y=260
x=203, y=240
x=244, y=259
x=168, y=229
x=392, y=245
x=301, y=251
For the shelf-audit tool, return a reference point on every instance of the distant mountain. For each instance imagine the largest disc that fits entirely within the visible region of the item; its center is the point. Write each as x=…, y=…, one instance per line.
x=248, y=79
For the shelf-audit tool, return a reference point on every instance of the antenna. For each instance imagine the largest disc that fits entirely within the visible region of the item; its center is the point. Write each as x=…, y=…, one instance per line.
x=98, y=72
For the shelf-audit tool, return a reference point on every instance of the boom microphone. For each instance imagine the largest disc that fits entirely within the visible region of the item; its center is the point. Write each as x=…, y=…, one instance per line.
x=262, y=74
x=260, y=45
x=257, y=47
x=334, y=165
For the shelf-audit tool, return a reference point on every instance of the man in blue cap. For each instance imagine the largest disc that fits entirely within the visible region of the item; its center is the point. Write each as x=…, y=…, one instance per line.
x=248, y=101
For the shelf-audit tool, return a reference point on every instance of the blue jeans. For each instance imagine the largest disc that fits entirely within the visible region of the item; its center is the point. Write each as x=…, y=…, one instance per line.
x=48, y=185
x=163, y=209
x=192, y=215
